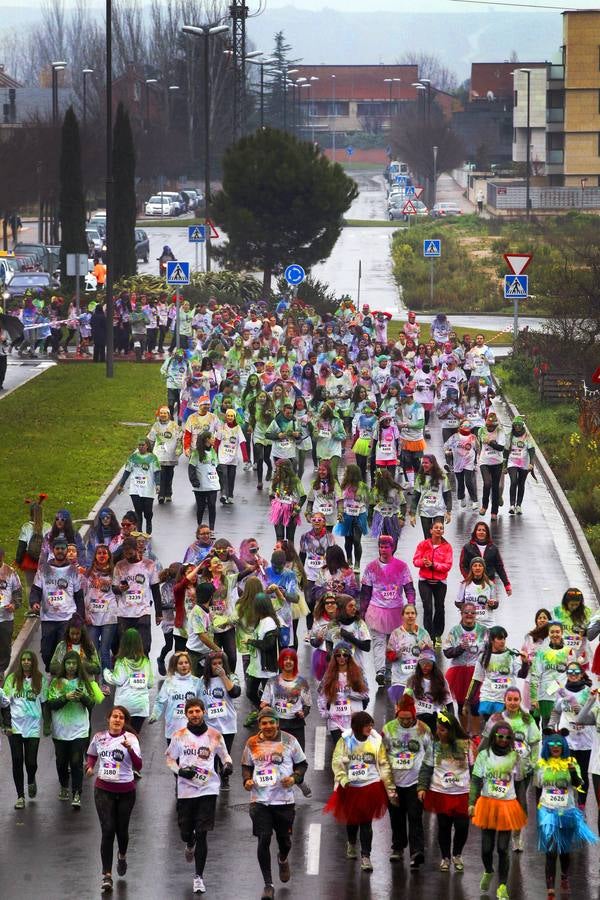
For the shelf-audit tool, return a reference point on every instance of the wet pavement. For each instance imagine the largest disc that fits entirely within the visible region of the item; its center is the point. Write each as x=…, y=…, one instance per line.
x=19, y=372
x=48, y=850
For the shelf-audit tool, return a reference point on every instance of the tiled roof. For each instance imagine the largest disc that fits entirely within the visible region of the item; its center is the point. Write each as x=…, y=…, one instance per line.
x=360, y=82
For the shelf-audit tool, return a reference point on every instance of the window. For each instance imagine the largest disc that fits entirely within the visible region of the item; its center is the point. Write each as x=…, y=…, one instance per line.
x=516, y=98
x=514, y=135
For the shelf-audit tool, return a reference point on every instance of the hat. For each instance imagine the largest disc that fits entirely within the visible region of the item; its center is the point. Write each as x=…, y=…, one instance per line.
x=342, y=645
x=519, y=420
x=267, y=712
x=427, y=655
x=204, y=399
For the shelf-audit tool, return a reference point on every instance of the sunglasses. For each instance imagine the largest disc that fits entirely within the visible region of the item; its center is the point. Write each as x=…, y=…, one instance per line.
x=503, y=737
x=342, y=653
x=555, y=743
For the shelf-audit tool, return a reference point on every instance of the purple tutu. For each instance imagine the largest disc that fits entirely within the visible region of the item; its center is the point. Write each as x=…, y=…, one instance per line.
x=283, y=513
x=386, y=525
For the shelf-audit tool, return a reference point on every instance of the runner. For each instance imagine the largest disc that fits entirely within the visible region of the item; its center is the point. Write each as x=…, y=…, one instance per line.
x=133, y=678
x=481, y=591
x=519, y=454
x=405, y=646
x=178, y=687
x=144, y=469
x=166, y=443
x=11, y=596
x=433, y=557
x=221, y=687
x=135, y=582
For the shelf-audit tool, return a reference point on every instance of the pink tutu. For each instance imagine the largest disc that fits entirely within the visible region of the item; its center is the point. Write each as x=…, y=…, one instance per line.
x=383, y=619
x=282, y=513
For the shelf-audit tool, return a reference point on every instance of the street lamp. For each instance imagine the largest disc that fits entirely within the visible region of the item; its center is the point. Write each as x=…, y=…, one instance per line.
x=85, y=73
x=391, y=81
x=149, y=81
x=206, y=31
x=310, y=112
x=56, y=68
x=108, y=284
x=528, y=152
x=334, y=117
x=172, y=88
x=424, y=84
x=262, y=63
x=583, y=184
x=434, y=187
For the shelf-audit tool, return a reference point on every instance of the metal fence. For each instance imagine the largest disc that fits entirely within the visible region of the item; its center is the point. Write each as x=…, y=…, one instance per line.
x=514, y=196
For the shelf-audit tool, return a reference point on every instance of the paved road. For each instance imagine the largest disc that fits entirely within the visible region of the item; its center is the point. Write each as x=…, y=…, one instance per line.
x=49, y=850
x=19, y=372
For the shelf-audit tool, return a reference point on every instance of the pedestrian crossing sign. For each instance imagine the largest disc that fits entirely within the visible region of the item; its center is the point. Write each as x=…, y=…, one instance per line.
x=516, y=286
x=178, y=272
x=196, y=234
x=432, y=248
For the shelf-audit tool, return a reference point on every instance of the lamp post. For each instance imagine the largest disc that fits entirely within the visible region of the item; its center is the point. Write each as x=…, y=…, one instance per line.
x=206, y=31
x=85, y=73
x=108, y=284
x=148, y=82
x=312, y=79
x=528, y=149
x=172, y=88
x=56, y=68
x=583, y=184
x=390, y=82
x=262, y=63
x=334, y=117
x=434, y=186
x=306, y=85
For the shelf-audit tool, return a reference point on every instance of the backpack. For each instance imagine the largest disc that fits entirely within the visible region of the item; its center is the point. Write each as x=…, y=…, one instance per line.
x=34, y=545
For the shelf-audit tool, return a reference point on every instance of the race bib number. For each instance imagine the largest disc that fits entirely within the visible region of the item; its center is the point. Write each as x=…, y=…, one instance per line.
x=555, y=797
x=386, y=510
x=138, y=681
x=358, y=772
x=408, y=666
x=553, y=687
x=430, y=500
x=229, y=449
x=324, y=432
x=326, y=507
x=139, y=481
x=57, y=598
x=402, y=761
x=498, y=788
x=216, y=709
x=365, y=433
x=314, y=562
x=201, y=775
x=265, y=778
x=286, y=444
x=424, y=707
x=212, y=477
x=480, y=611
x=499, y=683
x=342, y=708
x=180, y=711
x=386, y=448
x=282, y=706
x=389, y=594
x=98, y=604
x=353, y=508
x=521, y=748
x=109, y=770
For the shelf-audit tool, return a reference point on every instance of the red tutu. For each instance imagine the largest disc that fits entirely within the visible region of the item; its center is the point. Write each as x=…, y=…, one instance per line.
x=446, y=804
x=358, y=805
x=459, y=679
x=596, y=661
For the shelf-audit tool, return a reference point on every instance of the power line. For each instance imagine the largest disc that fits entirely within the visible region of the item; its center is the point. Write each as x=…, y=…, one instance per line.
x=526, y=5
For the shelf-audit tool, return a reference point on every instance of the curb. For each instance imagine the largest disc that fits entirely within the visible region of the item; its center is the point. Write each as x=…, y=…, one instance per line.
x=30, y=627
x=560, y=498
x=16, y=387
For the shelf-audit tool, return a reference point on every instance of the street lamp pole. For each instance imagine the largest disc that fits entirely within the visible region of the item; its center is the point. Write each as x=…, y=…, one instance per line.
x=110, y=334
x=149, y=81
x=206, y=31
x=528, y=151
x=334, y=117
x=85, y=73
x=434, y=186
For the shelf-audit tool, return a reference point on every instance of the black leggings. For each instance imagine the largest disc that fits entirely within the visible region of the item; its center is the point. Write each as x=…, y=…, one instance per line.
x=143, y=509
x=262, y=455
x=366, y=836
x=254, y=688
x=583, y=760
x=69, y=755
x=168, y=646
x=226, y=641
x=285, y=531
x=353, y=544
x=565, y=862
x=206, y=500
x=226, y=479
x=427, y=524
x=461, y=831
x=518, y=477
x=433, y=595
x=466, y=477
x=166, y=481
x=499, y=839
x=23, y=751
x=114, y=811
x=490, y=475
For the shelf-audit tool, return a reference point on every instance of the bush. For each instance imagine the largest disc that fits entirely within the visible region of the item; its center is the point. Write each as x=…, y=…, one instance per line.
x=314, y=293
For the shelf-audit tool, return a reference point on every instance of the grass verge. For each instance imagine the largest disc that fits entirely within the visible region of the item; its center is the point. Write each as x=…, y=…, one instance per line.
x=494, y=338
x=63, y=435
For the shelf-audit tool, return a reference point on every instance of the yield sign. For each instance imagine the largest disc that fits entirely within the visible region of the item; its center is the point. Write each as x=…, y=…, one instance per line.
x=418, y=191
x=518, y=262
x=213, y=231
x=596, y=376
x=409, y=208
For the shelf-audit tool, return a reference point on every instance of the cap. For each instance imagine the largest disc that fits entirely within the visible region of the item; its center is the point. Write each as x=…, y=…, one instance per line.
x=267, y=712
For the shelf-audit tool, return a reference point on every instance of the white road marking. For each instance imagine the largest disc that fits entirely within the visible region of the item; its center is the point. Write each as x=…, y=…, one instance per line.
x=313, y=848
x=320, y=742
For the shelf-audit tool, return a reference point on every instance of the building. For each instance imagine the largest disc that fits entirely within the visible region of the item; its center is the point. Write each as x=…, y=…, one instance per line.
x=142, y=96
x=20, y=105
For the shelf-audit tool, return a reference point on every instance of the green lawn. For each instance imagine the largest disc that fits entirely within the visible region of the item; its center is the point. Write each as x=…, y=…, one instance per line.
x=62, y=435
x=496, y=339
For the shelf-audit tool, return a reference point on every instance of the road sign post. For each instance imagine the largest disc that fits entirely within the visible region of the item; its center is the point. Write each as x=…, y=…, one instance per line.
x=196, y=236
x=359, y=277
x=77, y=264
x=516, y=287
x=294, y=275
x=432, y=249
x=178, y=273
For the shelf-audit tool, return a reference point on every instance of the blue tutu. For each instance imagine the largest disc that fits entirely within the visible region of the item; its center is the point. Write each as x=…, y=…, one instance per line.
x=345, y=528
x=561, y=831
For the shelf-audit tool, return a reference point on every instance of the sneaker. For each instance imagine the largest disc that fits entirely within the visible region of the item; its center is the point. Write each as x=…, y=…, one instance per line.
x=511, y=511
x=259, y=486
x=198, y=886
x=162, y=669
x=121, y=865
x=518, y=510
x=427, y=434
x=380, y=677
x=438, y=643
x=268, y=892
x=396, y=855
x=518, y=844
x=212, y=535
x=168, y=499
x=229, y=501
x=551, y=894
x=475, y=505
x=225, y=783
x=76, y=801
x=445, y=865
x=458, y=863
x=306, y=789
x=463, y=504
x=32, y=790
x=63, y=794
x=365, y=864
x=189, y=853
x=417, y=859
x=20, y=804
x=356, y=570
x=107, y=884
x=223, y=500
x=351, y=851
x=486, y=880
x=494, y=517
x=482, y=510
x=161, y=500
x=564, y=884
x=284, y=869
x=502, y=892
x=269, y=475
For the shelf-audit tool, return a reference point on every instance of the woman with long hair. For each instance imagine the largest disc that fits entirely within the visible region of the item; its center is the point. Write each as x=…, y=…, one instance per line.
x=263, y=644
x=462, y=647
x=324, y=632
x=287, y=497
x=220, y=686
x=105, y=529
x=133, y=678
x=25, y=691
x=100, y=603
x=355, y=508
x=117, y=751
x=288, y=693
x=405, y=645
x=244, y=616
x=304, y=419
x=343, y=690
x=260, y=413
x=481, y=544
x=479, y=589
x=548, y=672
x=431, y=499
x=569, y=702
x=491, y=442
x=496, y=671
x=576, y=619
x=519, y=454
x=434, y=557
x=325, y=495
x=62, y=527
x=388, y=507
x=76, y=639
x=443, y=789
x=71, y=696
x=204, y=478
x=430, y=689
x=178, y=686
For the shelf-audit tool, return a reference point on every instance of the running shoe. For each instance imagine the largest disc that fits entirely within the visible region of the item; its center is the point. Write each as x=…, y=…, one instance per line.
x=486, y=880
x=107, y=884
x=76, y=801
x=161, y=500
x=475, y=505
x=20, y=804
x=482, y=510
x=511, y=511
x=63, y=794
x=463, y=504
x=396, y=855
x=306, y=789
x=445, y=865
x=162, y=669
x=458, y=863
x=365, y=864
x=351, y=851
x=259, y=486
x=518, y=510
x=225, y=782
x=518, y=844
x=229, y=501
x=284, y=869
x=121, y=865
x=269, y=475
x=417, y=859
x=268, y=892
x=32, y=789
x=189, y=853
x=502, y=892
x=223, y=500
x=380, y=677
x=356, y=570
x=198, y=886
x=494, y=517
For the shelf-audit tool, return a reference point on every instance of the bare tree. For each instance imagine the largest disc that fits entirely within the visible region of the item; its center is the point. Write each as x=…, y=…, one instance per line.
x=431, y=66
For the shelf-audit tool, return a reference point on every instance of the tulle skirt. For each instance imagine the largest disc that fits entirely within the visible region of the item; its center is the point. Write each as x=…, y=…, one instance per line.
x=499, y=815
x=386, y=525
x=596, y=661
x=446, y=804
x=358, y=805
x=362, y=446
x=318, y=663
x=384, y=620
x=560, y=831
x=345, y=528
x=459, y=679
x=282, y=513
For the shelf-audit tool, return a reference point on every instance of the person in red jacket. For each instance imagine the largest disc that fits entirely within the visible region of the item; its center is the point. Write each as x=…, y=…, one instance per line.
x=433, y=557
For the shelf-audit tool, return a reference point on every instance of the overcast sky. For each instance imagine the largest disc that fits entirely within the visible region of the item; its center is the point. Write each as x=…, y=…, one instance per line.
x=398, y=6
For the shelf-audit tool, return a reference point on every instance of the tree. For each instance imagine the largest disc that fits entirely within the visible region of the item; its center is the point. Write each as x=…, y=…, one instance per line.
x=430, y=66
x=282, y=202
x=123, y=238
x=71, y=197
x=277, y=96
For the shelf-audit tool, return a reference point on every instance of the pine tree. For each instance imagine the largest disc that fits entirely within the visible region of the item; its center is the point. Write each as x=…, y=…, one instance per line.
x=124, y=262
x=278, y=105
x=71, y=196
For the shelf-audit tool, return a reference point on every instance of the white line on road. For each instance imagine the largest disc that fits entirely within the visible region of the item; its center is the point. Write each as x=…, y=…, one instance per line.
x=320, y=741
x=313, y=848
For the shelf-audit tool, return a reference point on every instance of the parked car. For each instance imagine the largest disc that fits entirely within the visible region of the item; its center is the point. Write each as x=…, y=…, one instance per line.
x=445, y=208
x=8, y=266
x=36, y=282
x=179, y=205
x=94, y=239
x=160, y=205
x=38, y=251
x=396, y=196
x=190, y=195
x=397, y=211
x=142, y=245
